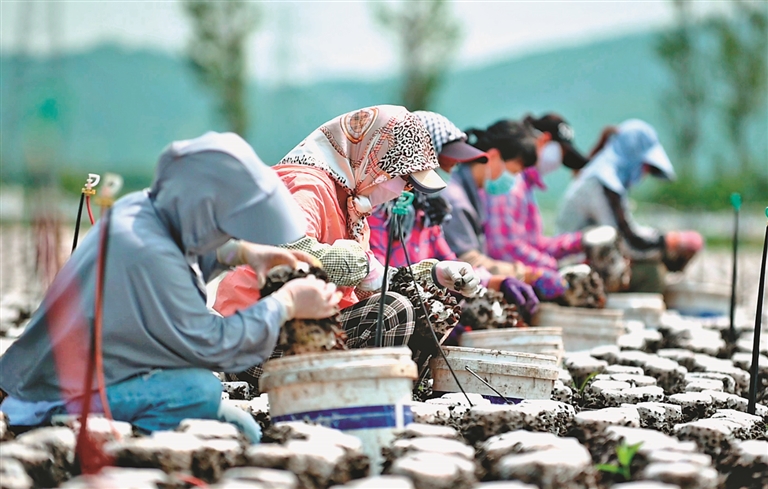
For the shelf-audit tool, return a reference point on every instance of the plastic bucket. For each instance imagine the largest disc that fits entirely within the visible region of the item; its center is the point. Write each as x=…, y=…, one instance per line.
x=363, y=392
x=516, y=376
x=583, y=329
x=699, y=299
x=644, y=307
x=540, y=341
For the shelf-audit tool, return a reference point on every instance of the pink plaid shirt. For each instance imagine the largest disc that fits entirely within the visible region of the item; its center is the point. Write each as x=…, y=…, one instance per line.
x=513, y=227
x=424, y=243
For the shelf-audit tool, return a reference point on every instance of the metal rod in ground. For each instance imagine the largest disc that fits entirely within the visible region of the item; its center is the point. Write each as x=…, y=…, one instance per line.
x=429, y=323
x=487, y=384
x=77, y=221
x=379, y=339
x=758, y=324
x=736, y=203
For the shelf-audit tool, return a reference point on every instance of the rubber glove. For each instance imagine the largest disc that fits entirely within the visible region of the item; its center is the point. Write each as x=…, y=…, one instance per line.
x=521, y=294
x=680, y=247
x=309, y=298
x=262, y=258
x=457, y=276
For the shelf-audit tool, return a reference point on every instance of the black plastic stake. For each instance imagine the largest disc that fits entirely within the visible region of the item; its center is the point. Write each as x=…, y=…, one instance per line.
x=736, y=203
x=77, y=222
x=379, y=339
x=758, y=324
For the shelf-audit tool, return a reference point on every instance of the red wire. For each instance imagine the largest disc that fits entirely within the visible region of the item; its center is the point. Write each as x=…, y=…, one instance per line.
x=97, y=320
x=90, y=212
x=92, y=456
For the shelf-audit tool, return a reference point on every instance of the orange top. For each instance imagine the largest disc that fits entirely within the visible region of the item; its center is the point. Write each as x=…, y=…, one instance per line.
x=318, y=196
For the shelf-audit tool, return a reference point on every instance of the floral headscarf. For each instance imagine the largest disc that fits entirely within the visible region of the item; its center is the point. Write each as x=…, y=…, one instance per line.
x=364, y=148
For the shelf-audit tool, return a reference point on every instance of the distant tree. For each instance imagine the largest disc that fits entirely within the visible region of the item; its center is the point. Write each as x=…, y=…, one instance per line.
x=220, y=29
x=683, y=103
x=428, y=37
x=740, y=63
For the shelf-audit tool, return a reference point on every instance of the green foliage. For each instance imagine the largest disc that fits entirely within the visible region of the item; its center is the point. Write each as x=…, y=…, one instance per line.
x=217, y=53
x=683, y=103
x=715, y=194
x=428, y=38
x=624, y=453
x=741, y=64
x=719, y=69
x=585, y=382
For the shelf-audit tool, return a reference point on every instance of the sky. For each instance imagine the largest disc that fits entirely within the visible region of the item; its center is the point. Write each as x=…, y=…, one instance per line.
x=328, y=39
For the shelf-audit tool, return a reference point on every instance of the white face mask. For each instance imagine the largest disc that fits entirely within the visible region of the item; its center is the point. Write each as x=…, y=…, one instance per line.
x=550, y=158
x=384, y=192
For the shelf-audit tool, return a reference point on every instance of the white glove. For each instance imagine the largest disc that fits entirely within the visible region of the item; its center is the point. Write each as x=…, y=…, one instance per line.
x=457, y=276
x=375, y=277
x=309, y=298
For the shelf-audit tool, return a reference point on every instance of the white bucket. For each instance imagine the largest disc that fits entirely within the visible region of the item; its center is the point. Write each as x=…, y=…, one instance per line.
x=540, y=341
x=583, y=329
x=644, y=307
x=365, y=393
x=699, y=299
x=516, y=376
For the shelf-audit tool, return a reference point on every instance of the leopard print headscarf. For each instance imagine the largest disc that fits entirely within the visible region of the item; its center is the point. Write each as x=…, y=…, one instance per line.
x=364, y=148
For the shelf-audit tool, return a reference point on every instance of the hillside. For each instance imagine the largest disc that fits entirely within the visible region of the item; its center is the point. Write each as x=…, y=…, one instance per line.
x=111, y=109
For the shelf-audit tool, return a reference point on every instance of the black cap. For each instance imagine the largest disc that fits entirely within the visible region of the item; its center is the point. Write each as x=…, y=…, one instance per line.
x=562, y=133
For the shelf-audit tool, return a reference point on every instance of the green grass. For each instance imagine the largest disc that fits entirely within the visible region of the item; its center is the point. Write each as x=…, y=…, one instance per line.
x=624, y=453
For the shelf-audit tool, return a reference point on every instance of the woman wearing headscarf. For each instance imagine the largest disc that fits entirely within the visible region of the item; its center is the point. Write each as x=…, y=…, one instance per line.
x=337, y=175
x=599, y=196
x=160, y=341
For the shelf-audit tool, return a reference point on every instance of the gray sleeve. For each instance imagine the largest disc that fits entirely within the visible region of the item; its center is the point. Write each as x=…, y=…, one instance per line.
x=177, y=318
x=583, y=205
x=460, y=230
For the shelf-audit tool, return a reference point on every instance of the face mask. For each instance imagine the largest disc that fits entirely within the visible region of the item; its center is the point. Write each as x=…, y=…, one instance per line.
x=501, y=185
x=384, y=192
x=550, y=158
x=445, y=175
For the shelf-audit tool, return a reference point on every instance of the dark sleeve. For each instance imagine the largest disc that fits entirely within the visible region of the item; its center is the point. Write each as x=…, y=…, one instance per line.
x=628, y=228
x=210, y=266
x=460, y=231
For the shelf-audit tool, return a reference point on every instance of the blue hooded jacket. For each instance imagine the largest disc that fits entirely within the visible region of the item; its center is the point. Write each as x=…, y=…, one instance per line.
x=161, y=249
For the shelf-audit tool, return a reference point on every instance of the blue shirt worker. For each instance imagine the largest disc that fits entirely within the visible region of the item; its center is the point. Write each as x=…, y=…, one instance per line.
x=160, y=342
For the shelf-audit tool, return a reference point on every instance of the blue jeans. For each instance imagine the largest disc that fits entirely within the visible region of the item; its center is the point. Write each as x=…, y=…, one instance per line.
x=161, y=399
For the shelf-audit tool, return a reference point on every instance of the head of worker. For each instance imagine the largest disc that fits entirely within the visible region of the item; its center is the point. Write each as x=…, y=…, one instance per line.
x=630, y=153
x=510, y=147
x=214, y=187
x=450, y=143
x=554, y=144
x=373, y=154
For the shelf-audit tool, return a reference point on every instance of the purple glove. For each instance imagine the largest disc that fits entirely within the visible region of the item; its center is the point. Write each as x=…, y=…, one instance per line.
x=521, y=294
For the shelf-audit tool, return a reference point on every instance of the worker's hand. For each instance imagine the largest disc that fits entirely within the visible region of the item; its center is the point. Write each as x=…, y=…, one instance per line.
x=309, y=298
x=457, y=276
x=521, y=294
x=262, y=258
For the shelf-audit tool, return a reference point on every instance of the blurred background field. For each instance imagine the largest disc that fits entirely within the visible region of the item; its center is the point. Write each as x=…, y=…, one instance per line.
x=103, y=87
